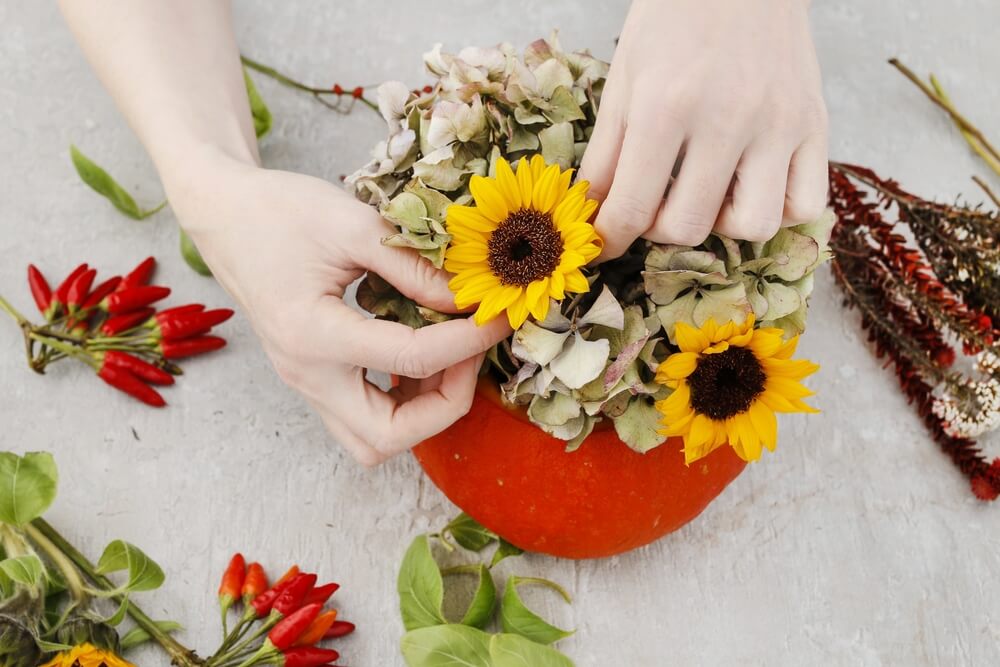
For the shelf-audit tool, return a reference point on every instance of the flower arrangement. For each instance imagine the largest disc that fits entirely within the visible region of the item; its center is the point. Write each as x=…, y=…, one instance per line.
x=476, y=175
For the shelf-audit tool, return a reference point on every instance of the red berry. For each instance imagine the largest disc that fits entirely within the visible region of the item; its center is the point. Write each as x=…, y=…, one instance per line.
x=357, y=92
x=337, y=90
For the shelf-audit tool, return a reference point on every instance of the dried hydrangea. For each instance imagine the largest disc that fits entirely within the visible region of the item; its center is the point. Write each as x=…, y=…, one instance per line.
x=594, y=356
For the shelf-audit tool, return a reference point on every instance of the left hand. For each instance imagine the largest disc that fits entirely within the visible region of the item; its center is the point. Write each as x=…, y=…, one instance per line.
x=731, y=90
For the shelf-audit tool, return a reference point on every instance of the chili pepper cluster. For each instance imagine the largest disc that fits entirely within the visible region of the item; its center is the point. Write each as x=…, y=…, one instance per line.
x=115, y=328
x=281, y=624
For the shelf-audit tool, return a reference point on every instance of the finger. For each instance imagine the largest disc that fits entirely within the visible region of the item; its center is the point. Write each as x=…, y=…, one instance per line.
x=696, y=197
x=359, y=450
x=644, y=166
x=391, y=426
x=755, y=210
x=396, y=348
x=808, y=180
x=411, y=274
x=601, y=156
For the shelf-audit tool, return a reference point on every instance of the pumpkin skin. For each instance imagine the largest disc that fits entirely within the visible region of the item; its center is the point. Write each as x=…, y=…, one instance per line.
x=601, y=500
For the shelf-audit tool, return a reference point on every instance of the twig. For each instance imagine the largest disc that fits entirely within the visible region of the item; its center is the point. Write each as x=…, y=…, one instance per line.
x=317, y=93
x=984, y=148
x=989, y=193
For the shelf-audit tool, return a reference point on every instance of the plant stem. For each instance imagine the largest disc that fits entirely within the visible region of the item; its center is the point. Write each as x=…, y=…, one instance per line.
x=180, y=655
x=65, y=348
x=963, y=123
x=977, y=143
x=292, y=83
x=12, y=311
x=986, y=188
x=69, y=571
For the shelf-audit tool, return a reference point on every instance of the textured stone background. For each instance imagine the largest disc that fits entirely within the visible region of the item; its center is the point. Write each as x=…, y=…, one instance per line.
x=856, y=545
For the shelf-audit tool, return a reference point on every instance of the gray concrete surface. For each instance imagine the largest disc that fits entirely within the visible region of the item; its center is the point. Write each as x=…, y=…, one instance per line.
x=856, y=545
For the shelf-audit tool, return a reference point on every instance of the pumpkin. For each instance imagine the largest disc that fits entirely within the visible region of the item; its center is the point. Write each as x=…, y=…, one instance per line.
x=600, y=500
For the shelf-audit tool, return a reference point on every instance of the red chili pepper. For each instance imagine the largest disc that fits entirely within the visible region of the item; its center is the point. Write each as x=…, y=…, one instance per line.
x=262, y=604
x=254, y=584
x=293, y=626
x=183, y=325
x=132, y=298
x=308, y=656
x=143, y=370
x=232, y=583
x=40, y=290
x=339, y=629
x=98, y=293
x=294, y=593
x=78, y=291
x=189, y=347
x=62, y=292
x=179, y=310
x=140, y=275
x=289, y=574
x=123, y=380
x=317, y=628
x=321, y=594
x=126, y=321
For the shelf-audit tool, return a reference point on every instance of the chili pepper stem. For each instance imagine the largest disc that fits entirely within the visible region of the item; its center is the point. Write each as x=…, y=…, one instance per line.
x=13, y=312
x=265, y=627
x=180, y=655
x=65, y=348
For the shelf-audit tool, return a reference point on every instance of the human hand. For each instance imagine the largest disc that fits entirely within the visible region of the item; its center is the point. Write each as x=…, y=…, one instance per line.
x=734, y=89
x=287, y=246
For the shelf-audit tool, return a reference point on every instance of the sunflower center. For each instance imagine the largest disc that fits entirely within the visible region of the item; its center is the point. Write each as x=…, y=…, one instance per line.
x=525, y=247
x=726, y=383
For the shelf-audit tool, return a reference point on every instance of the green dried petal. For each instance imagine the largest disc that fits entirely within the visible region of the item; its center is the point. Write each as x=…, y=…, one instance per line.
x=638, y=426
x=557, y=145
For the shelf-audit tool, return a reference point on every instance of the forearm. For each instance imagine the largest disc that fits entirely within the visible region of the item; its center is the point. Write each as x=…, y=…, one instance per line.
x=173, y=68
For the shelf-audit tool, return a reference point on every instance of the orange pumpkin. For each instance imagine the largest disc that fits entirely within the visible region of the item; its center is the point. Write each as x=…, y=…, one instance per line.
x=600, y=500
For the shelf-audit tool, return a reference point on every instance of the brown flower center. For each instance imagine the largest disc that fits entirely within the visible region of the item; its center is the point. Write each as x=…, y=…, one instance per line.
x=524, y=248
x=726, y=383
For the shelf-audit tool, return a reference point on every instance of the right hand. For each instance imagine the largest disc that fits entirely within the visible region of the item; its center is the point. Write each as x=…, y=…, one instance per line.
x=286, y=247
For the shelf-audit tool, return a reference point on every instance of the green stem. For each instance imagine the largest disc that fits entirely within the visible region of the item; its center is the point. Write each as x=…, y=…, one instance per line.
x=13, y=312
x=240, y=648
x=180, y=655
x=65, y=348
x=69, y=571
x=292, y=83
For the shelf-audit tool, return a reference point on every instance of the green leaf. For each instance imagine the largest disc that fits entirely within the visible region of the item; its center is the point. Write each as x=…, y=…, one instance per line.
x=191, y=255
x=509, y=650
x=101, y=182
x=25, y=570
x=469, y=533
x=484, y=600
x=143, y=573
x=505, y=550
x=261, y=114
x=119, y=615
x=450, y=645
x=421, y=590
x=639, y=426
x=137, y=635
x=515, y=617
x=27, y=486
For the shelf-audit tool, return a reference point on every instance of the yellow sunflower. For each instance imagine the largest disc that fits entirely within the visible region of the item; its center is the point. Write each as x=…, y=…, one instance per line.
x=523, y=243
x=728, y=382
x=87, y=655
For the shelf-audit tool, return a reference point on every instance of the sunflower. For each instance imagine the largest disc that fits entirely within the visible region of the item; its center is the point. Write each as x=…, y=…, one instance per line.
x=87, y=655
x=523, y=243
x=728, y=382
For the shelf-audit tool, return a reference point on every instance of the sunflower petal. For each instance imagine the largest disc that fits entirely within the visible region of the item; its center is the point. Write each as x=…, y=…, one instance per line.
x=507, y=184
x=678, y=366
x=690, y=339
x=469, y=216
x=488, y=198
x=575, y=282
